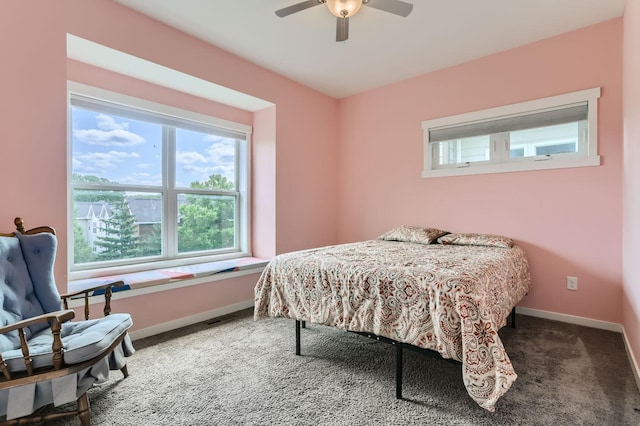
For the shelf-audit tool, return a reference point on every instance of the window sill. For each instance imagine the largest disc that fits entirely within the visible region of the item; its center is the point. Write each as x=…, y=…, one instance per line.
x=518, y=166
x=151, y=281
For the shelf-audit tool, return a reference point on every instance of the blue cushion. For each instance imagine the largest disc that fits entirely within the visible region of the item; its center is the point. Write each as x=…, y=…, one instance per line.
x=81, y=340
x=39, y=252
x=28, y=289
x=17, y=294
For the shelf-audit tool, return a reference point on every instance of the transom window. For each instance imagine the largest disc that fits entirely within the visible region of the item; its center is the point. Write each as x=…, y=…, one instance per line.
x=152, y=185
x=555, y=132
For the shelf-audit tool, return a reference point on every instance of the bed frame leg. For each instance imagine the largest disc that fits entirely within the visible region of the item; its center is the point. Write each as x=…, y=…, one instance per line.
x=398, y=370
x=513, y=317
x=297, y=337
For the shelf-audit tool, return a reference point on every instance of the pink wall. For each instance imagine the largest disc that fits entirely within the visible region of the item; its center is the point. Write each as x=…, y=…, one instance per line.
x=569, y=221
x=306, y=137
x=631, y=204
x=33, y=87
x=336, y=171
x=97, y=77
x=34, y=149
x=263, y=169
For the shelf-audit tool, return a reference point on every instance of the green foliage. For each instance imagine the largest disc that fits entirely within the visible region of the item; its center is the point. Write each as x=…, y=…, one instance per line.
x=215, y=181
x=151, y=241
x=120, y=240
x=75, y=177
x=92, y=195
x=207, y=221
x=81, y=250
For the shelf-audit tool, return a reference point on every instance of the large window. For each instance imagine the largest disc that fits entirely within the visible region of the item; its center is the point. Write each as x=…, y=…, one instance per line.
x=151, y=185
x=555, y=132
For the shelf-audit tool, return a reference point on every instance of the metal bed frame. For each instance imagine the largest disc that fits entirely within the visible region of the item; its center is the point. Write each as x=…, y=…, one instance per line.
x=399, y=348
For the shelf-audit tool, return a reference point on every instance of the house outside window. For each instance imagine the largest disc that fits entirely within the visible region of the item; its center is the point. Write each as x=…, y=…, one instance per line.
x=153, y=186
x=554, y=132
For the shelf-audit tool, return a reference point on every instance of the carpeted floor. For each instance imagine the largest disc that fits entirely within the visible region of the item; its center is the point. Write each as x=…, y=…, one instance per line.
x=239, y=372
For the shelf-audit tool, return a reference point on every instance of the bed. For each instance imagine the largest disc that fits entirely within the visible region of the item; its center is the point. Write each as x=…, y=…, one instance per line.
x=449, y=293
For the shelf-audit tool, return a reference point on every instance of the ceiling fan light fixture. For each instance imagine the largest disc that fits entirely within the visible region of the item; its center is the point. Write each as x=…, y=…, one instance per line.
x=344, y=8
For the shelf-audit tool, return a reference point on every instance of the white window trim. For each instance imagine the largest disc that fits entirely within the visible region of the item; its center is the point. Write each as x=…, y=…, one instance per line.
x=534, y=163
x=245, y=159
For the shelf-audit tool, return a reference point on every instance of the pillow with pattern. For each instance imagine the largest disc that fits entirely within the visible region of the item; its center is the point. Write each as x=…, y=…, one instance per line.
x=413, y=234
x=486, y=240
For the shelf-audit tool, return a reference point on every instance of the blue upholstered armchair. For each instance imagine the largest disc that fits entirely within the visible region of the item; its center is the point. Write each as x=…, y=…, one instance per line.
x=45, y=357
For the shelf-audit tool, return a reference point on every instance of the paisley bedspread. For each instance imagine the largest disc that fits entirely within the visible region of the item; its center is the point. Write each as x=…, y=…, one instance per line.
x=448, y=298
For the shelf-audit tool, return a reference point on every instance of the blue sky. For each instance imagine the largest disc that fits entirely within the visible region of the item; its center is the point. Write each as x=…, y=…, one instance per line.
x=129, y=151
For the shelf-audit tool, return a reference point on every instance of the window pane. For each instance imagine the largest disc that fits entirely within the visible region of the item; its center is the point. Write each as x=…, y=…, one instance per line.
x=152, y=185
x=460, y=151
x=560, y=139
x=116, y=225
x=112, y=149
x=206, y=222
x=204, y=160
x=516, y=153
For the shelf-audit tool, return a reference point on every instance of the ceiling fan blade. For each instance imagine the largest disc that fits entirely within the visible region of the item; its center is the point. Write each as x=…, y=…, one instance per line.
x=342, y=29
x=396, y=7
x=286, y=11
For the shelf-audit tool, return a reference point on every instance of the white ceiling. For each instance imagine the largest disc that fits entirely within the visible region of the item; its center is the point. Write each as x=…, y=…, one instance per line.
x=382, y=48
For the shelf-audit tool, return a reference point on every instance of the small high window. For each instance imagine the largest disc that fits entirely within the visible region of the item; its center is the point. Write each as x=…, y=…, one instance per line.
x=555, y=132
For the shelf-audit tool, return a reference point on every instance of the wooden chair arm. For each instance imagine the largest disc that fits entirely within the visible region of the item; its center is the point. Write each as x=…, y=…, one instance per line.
x=99, y=287
x=59, y=316
x=55, y=320
x=107, y=297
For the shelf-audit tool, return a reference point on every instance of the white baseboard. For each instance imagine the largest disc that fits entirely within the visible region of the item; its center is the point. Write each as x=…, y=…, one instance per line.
x=193, y=319
x=571, y=319
x=587, y=322
x=632, y=359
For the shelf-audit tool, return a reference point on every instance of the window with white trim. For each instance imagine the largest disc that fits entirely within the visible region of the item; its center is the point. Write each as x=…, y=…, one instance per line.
x=555, y=132
x=153, y=186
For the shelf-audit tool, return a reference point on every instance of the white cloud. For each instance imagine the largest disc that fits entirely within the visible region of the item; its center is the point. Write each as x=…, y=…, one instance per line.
x=221, y=153
x=114, y=137
x=80, y=167
x=217, y=158
x=213, y=138
x=106, y=122
x=103, y=160
x=142, y=178
x=202, y=173
x=190, y=157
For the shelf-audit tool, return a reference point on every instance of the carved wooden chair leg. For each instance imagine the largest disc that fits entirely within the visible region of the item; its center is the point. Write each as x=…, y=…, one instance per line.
x=125, y=371
x=83, y=410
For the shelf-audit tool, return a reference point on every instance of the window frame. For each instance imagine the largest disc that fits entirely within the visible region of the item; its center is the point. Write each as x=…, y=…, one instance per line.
x=502, y=163
x=174, y=116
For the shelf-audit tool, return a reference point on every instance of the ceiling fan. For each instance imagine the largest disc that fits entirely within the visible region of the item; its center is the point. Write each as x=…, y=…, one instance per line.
x=344, y=9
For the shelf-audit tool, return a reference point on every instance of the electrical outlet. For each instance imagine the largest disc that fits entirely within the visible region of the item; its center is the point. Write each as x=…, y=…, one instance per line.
x=572, y=283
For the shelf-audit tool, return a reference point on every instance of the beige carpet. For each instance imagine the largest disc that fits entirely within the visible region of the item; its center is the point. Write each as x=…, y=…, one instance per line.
x=240, y=372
